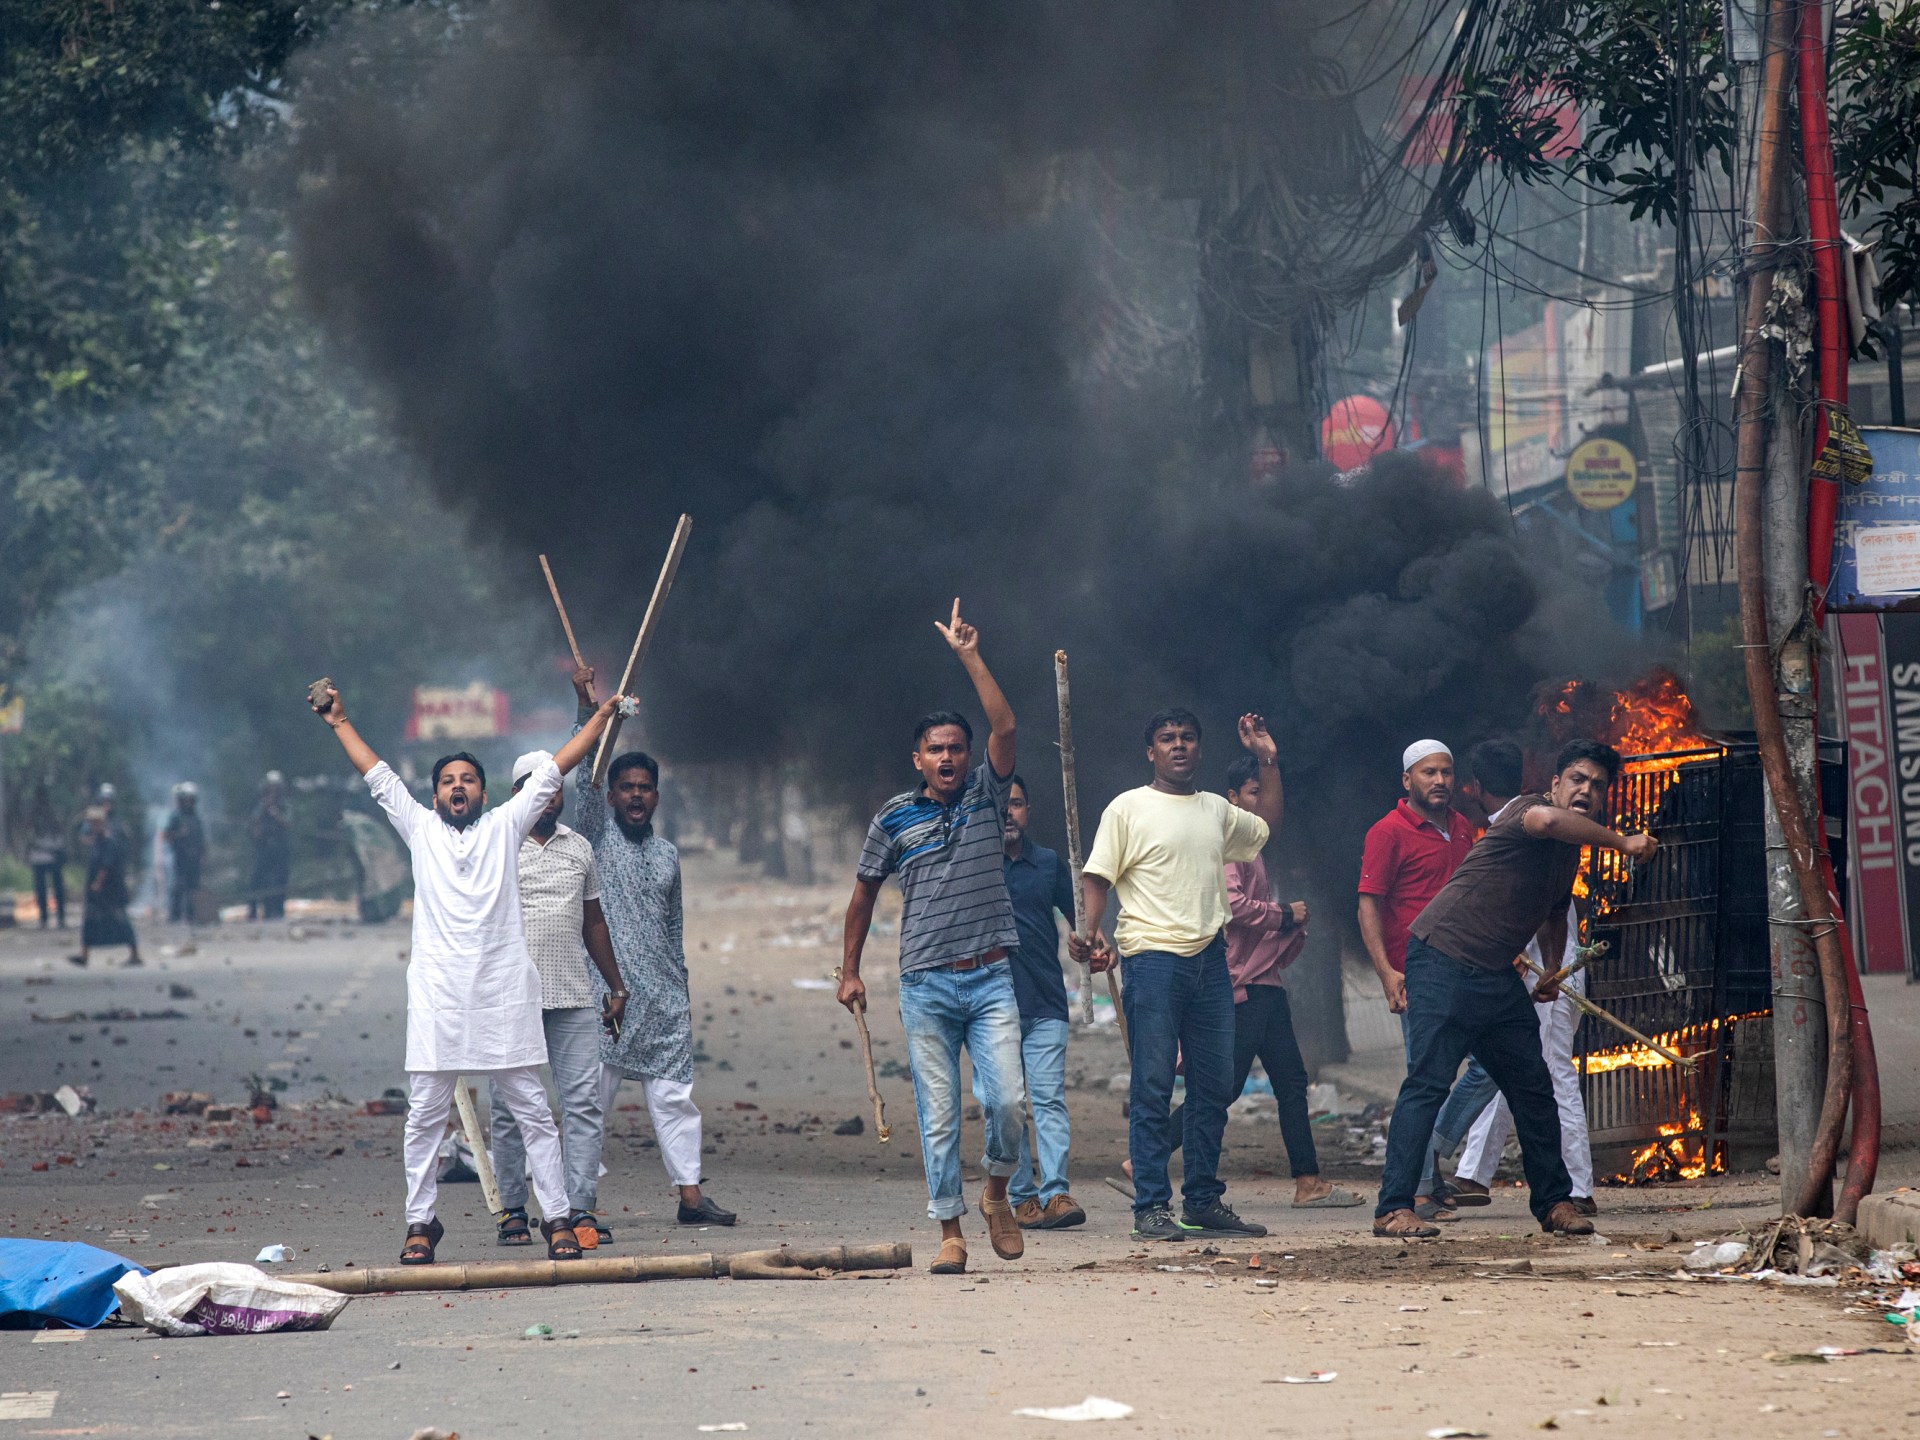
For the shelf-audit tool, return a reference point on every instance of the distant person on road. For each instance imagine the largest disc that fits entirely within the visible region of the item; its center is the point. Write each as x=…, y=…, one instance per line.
x=1163, y=850
x=640, y=895
x=1410, y=853
x=567, y=935
x=47, y=854
x=1465, y=994
x=186, y=839
x=946, y=841
x=1264, y=938
x=1039, y=886
x=473, y=994
x=105, y=921
x=272, y=838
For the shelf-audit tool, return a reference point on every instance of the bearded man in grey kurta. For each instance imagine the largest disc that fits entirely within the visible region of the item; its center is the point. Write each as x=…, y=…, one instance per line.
x=640, y=896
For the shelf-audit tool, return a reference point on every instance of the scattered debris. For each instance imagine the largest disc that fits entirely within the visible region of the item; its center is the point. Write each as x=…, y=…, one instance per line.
x=855, y=1126
x=185, y=1102
x=76, y=1102
x=1091, y=1408
x=731, y=1425
x=538, y=1332
x=273, y=1255
x=1312, y=1377
x=222, y=1298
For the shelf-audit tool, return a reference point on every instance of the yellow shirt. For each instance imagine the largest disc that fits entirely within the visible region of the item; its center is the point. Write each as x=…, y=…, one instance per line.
x=1165, y=856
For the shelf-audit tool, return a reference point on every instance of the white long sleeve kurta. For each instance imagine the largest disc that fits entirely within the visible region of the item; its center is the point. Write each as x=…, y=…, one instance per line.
x=473, y=994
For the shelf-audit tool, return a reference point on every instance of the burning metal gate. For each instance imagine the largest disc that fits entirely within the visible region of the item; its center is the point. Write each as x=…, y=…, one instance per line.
x=1688, y=964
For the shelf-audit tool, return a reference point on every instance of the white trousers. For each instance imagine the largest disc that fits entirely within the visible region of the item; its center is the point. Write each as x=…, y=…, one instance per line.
x=676, y=1121
x=431, y=1101
x=1488, y=1138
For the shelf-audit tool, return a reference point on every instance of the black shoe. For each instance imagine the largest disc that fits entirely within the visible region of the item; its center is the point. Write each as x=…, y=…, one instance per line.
x=1584, y=1204
x=1217, y=1219
x=705, y=1213
x=1156, y=1222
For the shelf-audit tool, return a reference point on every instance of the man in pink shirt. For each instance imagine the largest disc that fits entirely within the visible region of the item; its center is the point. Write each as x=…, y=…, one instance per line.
x=1264, y=937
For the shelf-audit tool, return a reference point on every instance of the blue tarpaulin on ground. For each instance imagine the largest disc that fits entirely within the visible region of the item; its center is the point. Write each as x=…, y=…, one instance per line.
x=68, y=1281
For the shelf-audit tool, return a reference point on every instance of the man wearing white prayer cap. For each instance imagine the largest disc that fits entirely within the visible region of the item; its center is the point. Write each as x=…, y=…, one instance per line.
x=560, y=907
x=1410, y=853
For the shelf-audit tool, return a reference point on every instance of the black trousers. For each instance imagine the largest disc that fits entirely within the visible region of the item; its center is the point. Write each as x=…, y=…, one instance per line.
x=48, y=880
x=1263, y=1027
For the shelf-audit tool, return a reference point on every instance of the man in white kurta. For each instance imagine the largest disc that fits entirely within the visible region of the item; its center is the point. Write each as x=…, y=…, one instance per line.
x=473, y=993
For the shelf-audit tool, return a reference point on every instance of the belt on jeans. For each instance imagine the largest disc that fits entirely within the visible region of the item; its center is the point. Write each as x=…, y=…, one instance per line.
x=992, y=957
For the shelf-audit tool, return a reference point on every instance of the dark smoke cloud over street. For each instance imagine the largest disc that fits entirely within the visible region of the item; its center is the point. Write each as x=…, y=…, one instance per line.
x=816, y=274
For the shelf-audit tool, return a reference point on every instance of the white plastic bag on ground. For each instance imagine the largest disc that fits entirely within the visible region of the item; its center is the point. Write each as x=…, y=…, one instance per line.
x=223, y=1298
x=1094, y=1407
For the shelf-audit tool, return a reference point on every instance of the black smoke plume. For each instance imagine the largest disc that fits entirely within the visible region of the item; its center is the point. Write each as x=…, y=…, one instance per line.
x=860, y=286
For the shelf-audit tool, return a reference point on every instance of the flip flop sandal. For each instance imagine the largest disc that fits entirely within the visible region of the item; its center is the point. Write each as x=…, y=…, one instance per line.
x=1458, y=1196
x=1335, y=1199
x=514, y=1228
x=1433, y=1210
x=421, y=1242
x=562, y=1243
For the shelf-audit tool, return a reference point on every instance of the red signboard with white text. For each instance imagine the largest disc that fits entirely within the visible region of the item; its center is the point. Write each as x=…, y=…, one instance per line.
x=1879, y=869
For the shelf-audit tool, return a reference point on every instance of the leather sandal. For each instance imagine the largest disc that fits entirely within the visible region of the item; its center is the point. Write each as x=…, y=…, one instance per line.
x=952, y=1259
x=1403, y=1225
x=422, y=1240
x=1434, y=1211
x=513, y=1229
x=586, y=1229
x=562, y=1243
x=1003, y=1231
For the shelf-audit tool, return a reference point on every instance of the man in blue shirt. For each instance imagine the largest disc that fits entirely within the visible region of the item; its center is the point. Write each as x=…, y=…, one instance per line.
x=1038, y=884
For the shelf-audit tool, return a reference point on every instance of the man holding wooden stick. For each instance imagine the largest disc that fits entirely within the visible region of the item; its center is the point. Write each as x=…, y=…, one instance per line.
x=1164, y=849
x=639, y=874
x=473, y=993
x=1465, y=995
x=945, y=841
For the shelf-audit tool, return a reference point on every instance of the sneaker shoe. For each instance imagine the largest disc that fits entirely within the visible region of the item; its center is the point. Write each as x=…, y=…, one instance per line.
x=1029, y=1214
x=1156, y=1222
x=705, y=1213
x=1217, y=1219
x=1063, y=1212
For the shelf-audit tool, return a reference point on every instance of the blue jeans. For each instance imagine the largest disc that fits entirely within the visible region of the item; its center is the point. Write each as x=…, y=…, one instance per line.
x=1454, y=1009
x=1179, y=1009
x=573, y=1055
x=941, y=1010
x=1472, y=1093
x=1043, y=1053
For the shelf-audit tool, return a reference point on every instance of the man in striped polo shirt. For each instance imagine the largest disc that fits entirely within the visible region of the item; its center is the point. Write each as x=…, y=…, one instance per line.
x=944, y=840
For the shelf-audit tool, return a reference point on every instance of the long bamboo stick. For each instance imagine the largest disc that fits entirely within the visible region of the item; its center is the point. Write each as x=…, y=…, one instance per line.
x=1587, y=1007
x=604, y=755
x=880, y=1125
x=579, y=662
x=600, y=1269
x=1074, y=863
x=463, y=1101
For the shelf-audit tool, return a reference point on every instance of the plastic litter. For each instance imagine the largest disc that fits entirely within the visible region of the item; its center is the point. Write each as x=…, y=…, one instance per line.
x=273, y=1255
x=1454, y=1432
x=1312, y=1377
x=222, y=1298
x=730, y=1425
x=1094, y=1407
x=60, y=1280
x=538, y=1332
x=1720, y=1255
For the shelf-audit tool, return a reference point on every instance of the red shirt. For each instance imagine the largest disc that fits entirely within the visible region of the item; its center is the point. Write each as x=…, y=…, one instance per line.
x=1405, y=863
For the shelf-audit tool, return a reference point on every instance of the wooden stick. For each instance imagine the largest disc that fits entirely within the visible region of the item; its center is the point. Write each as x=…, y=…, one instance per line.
x=1074, y=864
x=465, y=1102
x=604, y=755
x=1584, y=955
x=873, y=1080
x=1065, y=703
x=1587, y=1007
x=579, y=663
x=600, y=1269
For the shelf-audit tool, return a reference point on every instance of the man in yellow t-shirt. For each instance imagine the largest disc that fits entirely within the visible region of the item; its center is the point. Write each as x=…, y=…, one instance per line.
x=1162, y=849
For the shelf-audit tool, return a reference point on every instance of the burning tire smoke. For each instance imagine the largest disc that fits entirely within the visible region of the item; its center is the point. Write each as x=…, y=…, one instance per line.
x=820, y=275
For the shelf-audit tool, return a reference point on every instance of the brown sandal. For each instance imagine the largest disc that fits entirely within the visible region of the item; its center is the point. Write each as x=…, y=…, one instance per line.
x=562, y=1243
x=1403, y=1225
x=421, y=1242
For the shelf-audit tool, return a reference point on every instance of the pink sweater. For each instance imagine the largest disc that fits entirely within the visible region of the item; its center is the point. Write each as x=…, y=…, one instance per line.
x=1260, y=943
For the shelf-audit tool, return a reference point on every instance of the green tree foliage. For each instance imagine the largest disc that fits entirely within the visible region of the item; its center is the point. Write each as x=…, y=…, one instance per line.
x=1876, y=133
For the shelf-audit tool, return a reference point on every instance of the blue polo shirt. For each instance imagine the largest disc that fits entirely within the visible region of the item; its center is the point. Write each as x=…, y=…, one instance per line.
x=1039, y=883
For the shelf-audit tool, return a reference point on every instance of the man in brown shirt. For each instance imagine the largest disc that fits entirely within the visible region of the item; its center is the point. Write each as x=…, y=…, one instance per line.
x=1465, y=994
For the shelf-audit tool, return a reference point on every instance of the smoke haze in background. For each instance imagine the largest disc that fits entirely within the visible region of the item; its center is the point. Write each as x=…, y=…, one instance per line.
x=819, y=275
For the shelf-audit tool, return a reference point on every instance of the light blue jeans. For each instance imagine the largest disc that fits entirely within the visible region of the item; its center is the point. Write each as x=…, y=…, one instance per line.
x=941, y=1010
x=1043, y=1053
x=573, y=1054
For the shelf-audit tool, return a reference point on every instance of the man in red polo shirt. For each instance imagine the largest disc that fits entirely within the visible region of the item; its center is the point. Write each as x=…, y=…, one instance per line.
x=1410, y=853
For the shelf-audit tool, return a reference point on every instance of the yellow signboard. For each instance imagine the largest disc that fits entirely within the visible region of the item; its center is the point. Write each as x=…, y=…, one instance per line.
x=1601, y=473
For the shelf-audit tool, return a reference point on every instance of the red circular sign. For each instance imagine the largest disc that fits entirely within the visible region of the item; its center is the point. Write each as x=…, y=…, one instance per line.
x=1355, y=430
